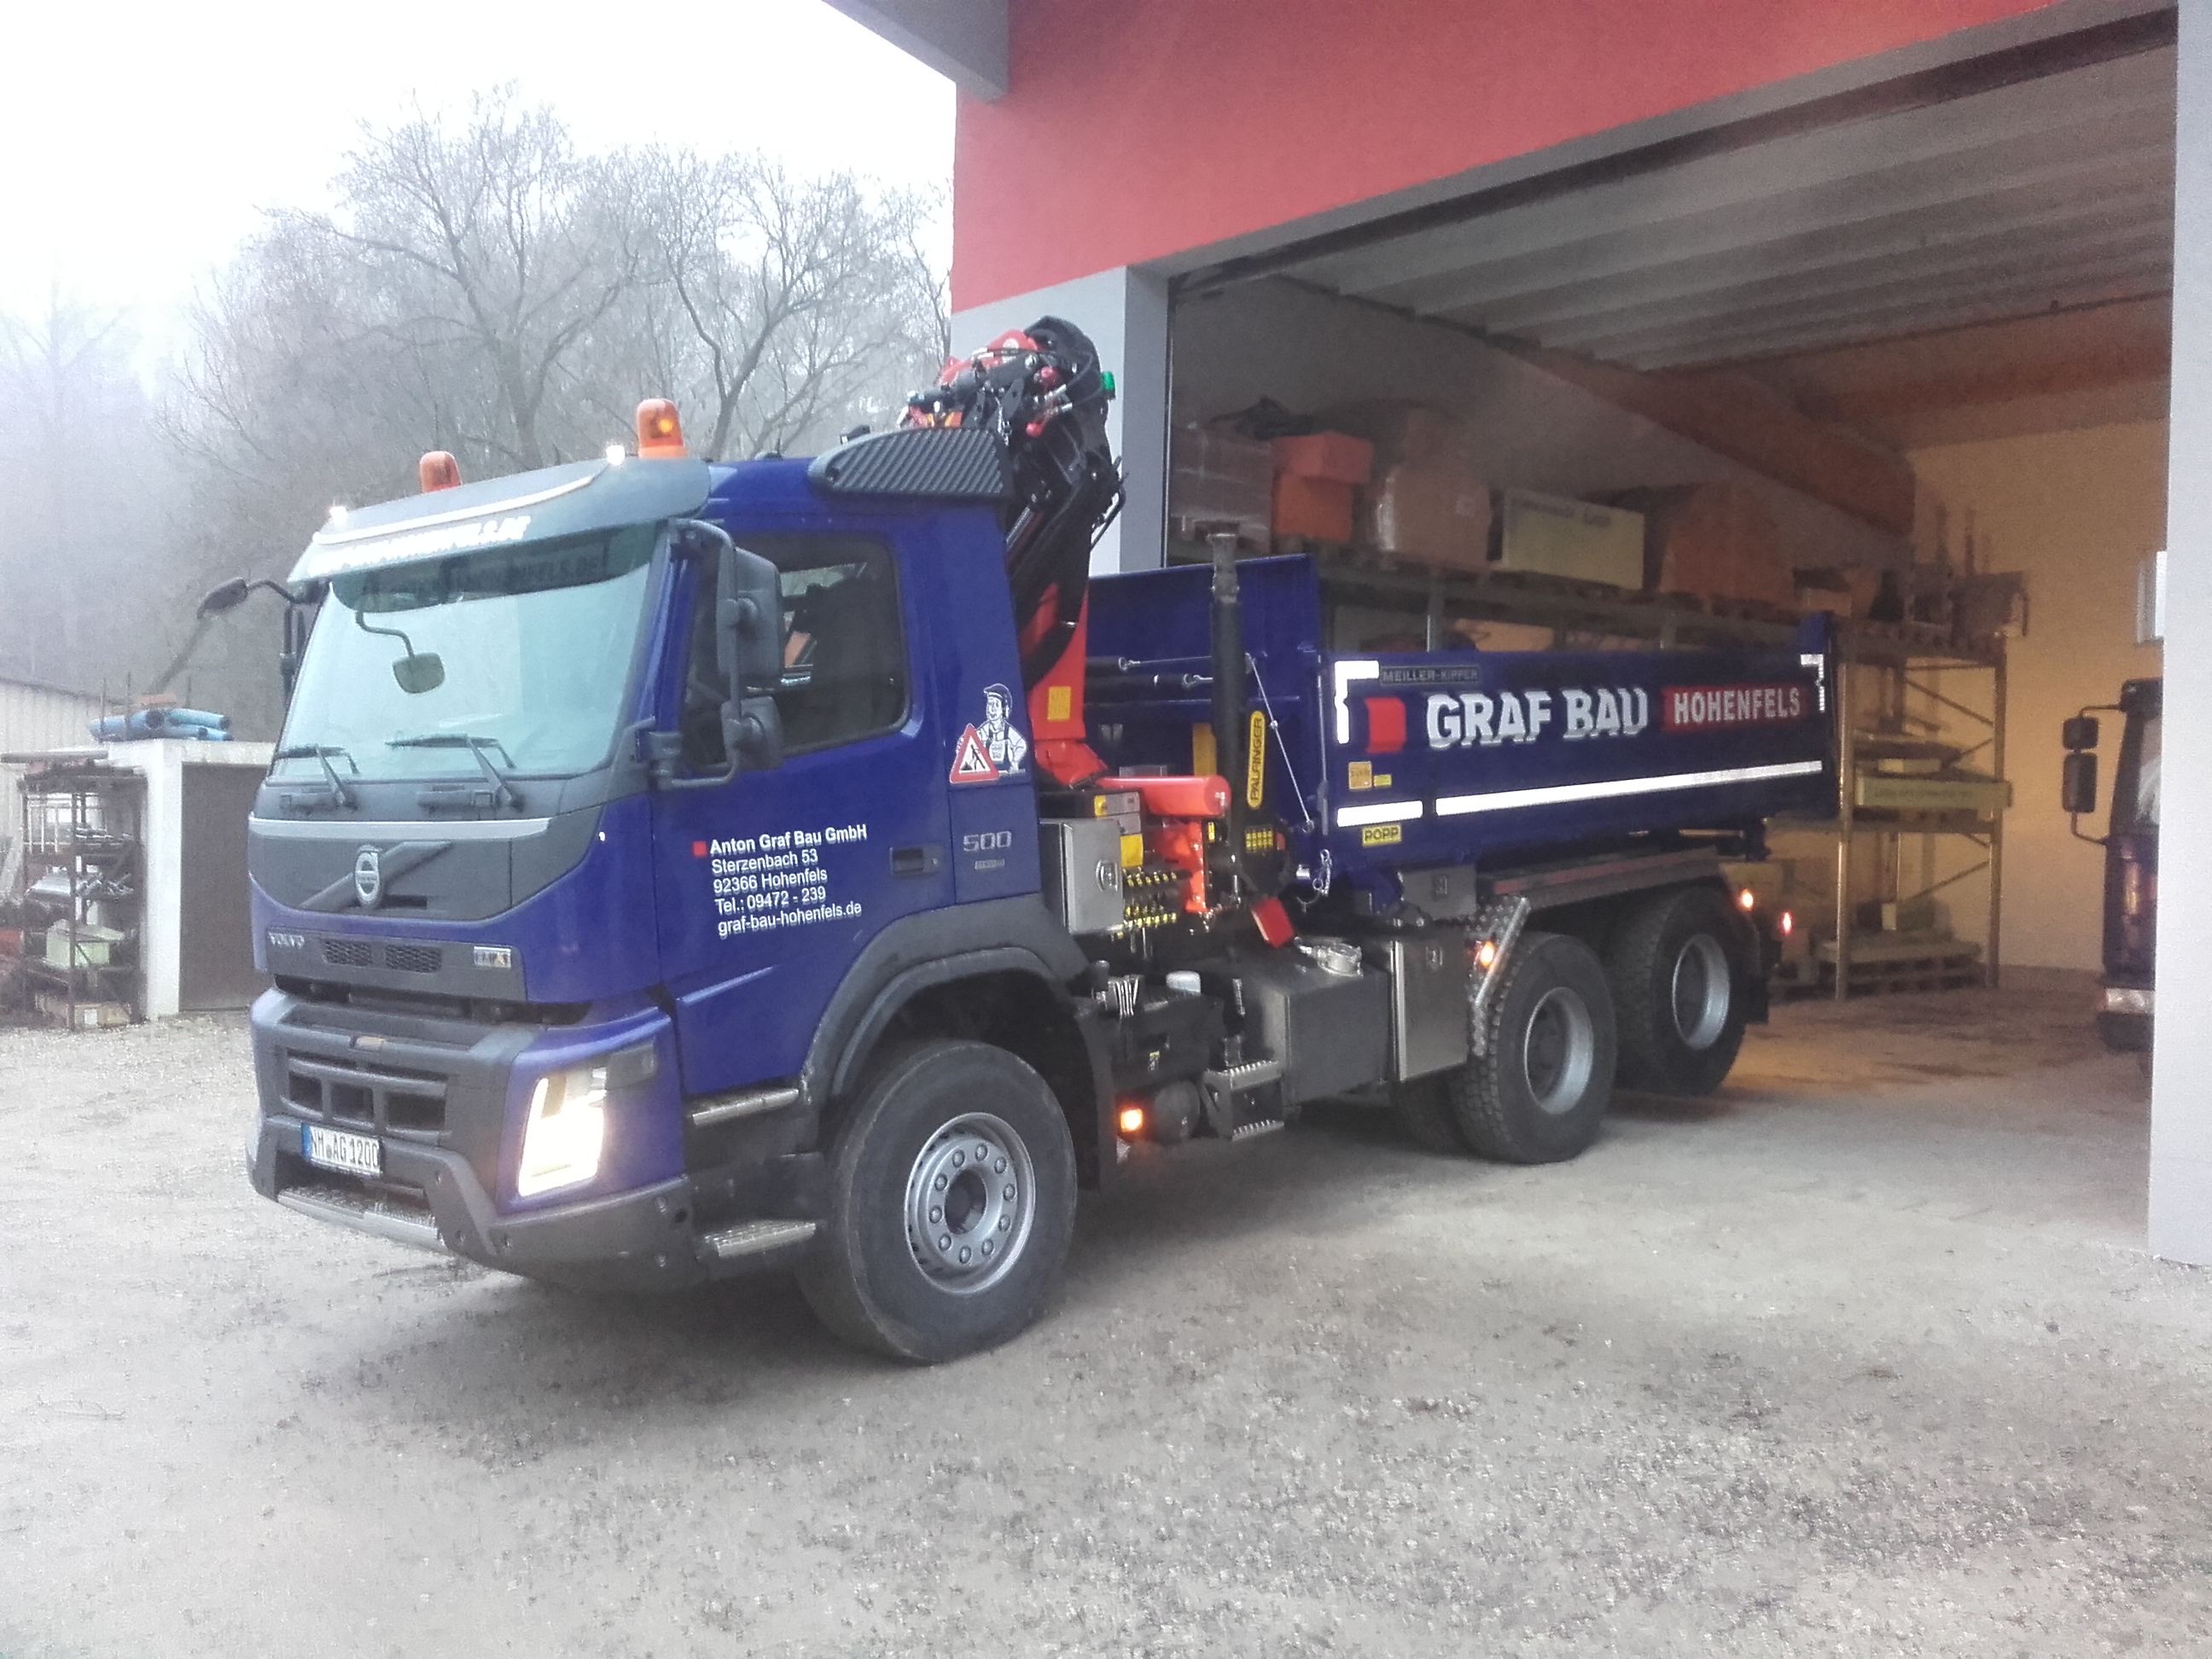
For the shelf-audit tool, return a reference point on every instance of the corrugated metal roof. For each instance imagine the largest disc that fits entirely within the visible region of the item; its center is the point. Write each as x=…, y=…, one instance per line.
x=17, y=681
x=2027, y=198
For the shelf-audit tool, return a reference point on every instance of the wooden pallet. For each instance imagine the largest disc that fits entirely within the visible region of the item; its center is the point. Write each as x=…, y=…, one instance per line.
x=1883, y=967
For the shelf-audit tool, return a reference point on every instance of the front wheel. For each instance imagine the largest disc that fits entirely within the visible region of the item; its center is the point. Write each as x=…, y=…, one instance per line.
x=1541, y=1087
x=951, y=1203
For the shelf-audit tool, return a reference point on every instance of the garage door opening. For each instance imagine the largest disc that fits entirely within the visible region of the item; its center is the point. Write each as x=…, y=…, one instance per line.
x=1911, y=366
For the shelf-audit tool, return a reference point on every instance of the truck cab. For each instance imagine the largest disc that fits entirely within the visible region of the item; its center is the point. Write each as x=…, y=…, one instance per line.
x=523, y=905
x=2127, y=988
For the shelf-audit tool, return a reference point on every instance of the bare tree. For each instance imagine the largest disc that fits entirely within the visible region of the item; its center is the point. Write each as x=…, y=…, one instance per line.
x=481, y=288
x=495, y=245
x=778, y=305
x=80, y=494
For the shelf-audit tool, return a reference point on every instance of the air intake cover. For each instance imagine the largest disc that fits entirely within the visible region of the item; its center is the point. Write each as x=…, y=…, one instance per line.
x=961, y=463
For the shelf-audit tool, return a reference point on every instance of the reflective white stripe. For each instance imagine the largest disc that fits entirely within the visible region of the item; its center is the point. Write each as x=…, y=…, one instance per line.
x=1381, y=811
x=1346, y=673
x=1506, y=799
x=1819, y=664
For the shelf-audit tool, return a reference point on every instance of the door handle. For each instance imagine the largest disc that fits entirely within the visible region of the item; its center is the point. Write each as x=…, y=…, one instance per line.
x=923, y=861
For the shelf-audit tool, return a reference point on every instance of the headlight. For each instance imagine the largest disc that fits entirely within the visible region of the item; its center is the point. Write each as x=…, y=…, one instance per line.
x=568, y=1125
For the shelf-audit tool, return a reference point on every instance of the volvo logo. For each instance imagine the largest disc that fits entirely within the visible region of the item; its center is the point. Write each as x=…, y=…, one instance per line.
x=368, y=878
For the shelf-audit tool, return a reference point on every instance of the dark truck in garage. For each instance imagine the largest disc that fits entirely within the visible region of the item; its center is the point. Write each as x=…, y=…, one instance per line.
x=675, y=870
x=2129, y=994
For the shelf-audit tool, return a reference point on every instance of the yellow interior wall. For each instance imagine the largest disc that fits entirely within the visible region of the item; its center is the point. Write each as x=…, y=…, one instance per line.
x=2077, y=511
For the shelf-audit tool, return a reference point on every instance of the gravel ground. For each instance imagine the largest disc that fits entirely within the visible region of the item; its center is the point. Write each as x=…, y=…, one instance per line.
x=1863, y=1358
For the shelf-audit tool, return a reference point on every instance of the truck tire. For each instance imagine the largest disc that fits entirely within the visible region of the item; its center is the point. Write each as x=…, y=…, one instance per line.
x=951, y=1203
x=1424, y=1106
x=1678, y=969
x=1538, y=1092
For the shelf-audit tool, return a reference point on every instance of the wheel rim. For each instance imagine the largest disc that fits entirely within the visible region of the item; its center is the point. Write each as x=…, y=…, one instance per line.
x=970, y=1198
x=1558, y=1050
x=1701, y=991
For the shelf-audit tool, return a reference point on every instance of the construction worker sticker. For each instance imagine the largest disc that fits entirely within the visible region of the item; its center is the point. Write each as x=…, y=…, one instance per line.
x=996, y=748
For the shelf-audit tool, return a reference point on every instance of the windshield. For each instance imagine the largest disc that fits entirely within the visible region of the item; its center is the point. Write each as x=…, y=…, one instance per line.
x=2135, y=804
x=519, y=655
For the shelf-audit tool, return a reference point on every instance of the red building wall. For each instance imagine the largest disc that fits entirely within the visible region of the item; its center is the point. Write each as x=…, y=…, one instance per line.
x=1136, y=129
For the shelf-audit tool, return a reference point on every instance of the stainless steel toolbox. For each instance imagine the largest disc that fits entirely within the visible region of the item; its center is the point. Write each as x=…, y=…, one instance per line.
x=1082, y=870
x=1428, y=999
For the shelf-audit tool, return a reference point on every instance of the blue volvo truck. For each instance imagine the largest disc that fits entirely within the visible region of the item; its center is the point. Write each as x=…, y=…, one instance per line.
x=2127, y=991
x=673, y=871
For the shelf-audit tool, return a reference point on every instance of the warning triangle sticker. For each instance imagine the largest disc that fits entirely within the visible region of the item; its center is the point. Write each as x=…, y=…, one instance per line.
x=971, y=763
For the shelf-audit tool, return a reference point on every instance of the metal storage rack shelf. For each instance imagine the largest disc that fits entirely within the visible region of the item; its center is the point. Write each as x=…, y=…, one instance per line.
x=1362, y=576
x=84, y=821
x=1881, y=961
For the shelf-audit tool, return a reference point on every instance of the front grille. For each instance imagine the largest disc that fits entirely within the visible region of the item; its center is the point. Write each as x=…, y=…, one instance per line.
x=396, y=957
x=375, y=1097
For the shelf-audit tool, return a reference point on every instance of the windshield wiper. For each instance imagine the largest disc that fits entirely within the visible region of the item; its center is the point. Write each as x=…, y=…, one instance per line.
x=503, y=792
x=338, y=794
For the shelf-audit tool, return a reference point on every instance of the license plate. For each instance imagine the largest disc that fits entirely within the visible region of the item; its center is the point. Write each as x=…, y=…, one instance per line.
x=334, y=1149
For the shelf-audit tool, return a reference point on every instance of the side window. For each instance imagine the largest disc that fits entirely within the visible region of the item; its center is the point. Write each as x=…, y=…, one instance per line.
x=844, y=647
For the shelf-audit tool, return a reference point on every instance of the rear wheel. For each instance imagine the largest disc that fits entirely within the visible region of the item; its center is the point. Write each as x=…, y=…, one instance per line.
x=1678, y=971
x=951, y=1202
x=1424, y=1106
x=1540, y=1090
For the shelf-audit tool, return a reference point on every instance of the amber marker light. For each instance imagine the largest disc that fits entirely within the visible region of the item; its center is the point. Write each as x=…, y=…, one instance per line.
x=1747, y=899
x=659, y=431
x=1485, y=955
x=1132, y=1121
x=438, y=470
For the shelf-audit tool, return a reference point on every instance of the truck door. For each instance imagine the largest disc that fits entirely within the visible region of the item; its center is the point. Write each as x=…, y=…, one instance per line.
x=771, y=884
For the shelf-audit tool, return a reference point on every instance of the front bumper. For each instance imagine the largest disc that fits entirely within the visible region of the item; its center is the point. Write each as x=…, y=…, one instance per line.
x=2124, y=1020
x=435, y=1095
x=737, y=1220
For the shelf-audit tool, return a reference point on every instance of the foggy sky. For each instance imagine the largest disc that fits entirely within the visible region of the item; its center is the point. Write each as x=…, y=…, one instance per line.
x=143, y=141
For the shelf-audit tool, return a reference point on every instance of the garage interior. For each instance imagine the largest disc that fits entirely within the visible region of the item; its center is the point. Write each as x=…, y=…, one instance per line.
x=1927, y=324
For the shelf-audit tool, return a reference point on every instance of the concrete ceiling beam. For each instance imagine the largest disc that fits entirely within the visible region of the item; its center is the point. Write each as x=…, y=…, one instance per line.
x=2144, y=255
x=1837, y=257
x=2111, y=106
x=1869, y=202
x=963, y=41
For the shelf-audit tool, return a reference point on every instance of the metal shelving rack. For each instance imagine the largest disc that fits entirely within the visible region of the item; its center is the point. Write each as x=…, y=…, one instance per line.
x=85, y=820
x=1903, y=670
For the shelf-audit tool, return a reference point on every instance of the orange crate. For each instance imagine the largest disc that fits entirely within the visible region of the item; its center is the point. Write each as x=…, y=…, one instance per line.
x=1320, y=508
x=1332, y=456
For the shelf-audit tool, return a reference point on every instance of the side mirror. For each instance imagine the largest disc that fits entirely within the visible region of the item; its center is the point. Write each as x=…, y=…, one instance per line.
x=748, y=646
x=2078, y=733
x=225, y=596
x=752, y=732
x=423, y=671
x=2077, y=784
